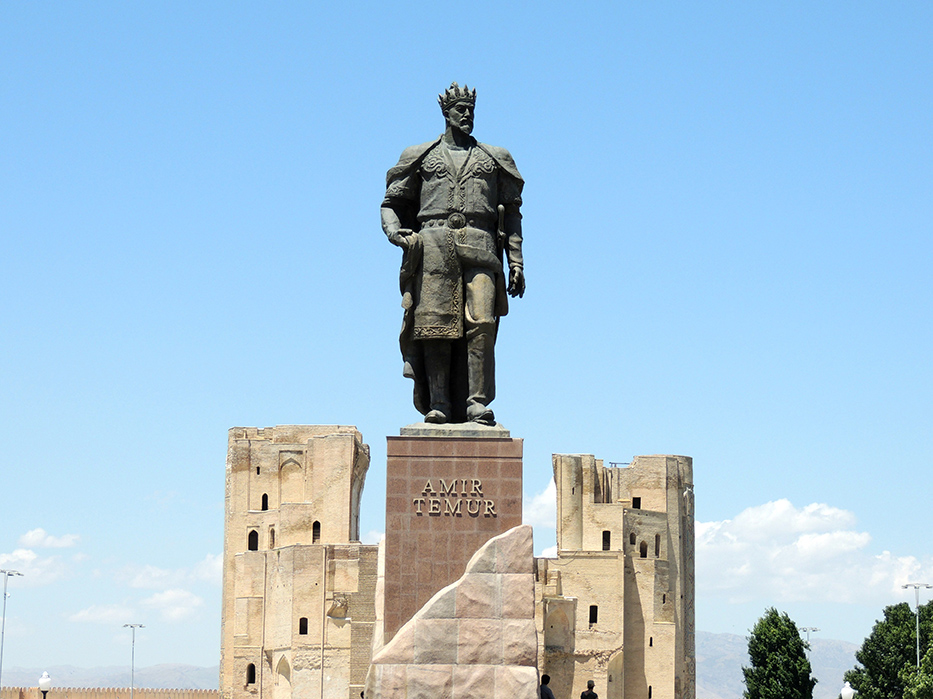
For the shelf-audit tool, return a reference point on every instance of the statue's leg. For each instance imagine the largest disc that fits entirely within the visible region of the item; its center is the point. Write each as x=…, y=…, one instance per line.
x=437, y=367
x=480, y=328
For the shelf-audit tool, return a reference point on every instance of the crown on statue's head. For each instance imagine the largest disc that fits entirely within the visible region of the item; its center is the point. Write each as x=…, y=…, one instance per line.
x=455, y=94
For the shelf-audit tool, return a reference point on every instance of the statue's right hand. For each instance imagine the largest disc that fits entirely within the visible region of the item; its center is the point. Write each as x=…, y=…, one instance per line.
x=401, y=238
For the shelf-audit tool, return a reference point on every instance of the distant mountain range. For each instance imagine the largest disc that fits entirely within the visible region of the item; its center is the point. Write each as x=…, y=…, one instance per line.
x=720, y=657
x=169, y=676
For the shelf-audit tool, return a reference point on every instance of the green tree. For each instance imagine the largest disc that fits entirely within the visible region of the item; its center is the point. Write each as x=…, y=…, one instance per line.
x=889, y=653
x=779, y=666
x=918, y=684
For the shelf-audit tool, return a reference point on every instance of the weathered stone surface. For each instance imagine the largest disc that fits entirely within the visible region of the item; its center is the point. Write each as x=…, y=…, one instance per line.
x=445, y=499
x=454, y=429
x=460, y=644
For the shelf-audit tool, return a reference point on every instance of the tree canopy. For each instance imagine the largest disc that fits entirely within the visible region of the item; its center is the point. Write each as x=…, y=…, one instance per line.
x=888, y=657
x=779, y=665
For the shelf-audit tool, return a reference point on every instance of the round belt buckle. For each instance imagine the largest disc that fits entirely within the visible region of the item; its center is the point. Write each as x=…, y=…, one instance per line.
x=456, y=220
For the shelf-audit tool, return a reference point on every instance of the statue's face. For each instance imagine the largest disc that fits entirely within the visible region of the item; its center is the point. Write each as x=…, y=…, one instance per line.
x=460, y=116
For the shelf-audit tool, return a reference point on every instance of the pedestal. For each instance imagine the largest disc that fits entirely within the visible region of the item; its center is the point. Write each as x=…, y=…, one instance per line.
x=448, y=491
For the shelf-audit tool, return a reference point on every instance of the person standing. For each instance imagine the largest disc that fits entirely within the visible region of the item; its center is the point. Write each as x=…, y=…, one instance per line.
x=589, y=693
x=546, y=692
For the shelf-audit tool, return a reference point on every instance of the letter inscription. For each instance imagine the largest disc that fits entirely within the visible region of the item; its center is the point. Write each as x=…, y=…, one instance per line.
x=471, y=491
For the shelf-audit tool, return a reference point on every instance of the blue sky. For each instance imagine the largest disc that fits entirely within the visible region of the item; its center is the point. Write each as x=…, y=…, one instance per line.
x=728, y=241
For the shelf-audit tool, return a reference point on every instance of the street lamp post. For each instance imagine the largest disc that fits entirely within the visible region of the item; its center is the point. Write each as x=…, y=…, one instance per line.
x=45, y=684
x=6, y=578
x=807, y=630
x=133, y=628
x=917, y=587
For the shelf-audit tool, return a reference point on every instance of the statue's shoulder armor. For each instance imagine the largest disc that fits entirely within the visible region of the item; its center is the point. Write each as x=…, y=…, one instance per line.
x=411, y=158
x=503, y=158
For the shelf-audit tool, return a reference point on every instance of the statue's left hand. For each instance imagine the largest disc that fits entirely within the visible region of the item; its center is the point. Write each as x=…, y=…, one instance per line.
x=516, y=282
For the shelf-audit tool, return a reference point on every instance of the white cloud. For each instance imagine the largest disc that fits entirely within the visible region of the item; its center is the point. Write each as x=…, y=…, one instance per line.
x=373, y=537
x=39, y=538
x=175, y=604
x=104, y=614
x=783, y=553
x=150, y=576
x=36, y=569
x=541, y=510
x=208, y=569
x=549, y=552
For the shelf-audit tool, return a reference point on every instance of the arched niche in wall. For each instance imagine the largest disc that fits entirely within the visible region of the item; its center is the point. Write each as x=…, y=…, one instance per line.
x=283, y=680
x=615, y=672
x=557, y=631
x=292, y=481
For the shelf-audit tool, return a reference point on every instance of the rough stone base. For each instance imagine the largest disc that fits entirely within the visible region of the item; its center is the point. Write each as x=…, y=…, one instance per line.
x=474, y=638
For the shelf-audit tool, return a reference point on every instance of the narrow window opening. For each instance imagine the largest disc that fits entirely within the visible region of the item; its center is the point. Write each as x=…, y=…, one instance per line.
x=663, y=599
x=650, y=641
x=257, y=470
x=265, y=502
x=643, y=549
x=271, y=538
x=631, y=538
x=315, y=532
x=573, y=490
x=253, y=541
x=649, y=691
x=657, y=545
x=636, y=503
x=607, y=540
x=594, y=613
x=250, y=674
x=303, y=626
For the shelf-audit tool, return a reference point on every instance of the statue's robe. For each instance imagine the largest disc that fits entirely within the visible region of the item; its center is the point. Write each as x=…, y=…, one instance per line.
x=424, y=188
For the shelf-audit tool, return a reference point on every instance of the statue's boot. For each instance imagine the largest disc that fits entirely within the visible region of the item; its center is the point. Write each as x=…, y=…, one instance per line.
x=481, y=370
x=437, y=366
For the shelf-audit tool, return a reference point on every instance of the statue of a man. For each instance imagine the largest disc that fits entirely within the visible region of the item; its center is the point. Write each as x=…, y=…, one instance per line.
x=452, y=205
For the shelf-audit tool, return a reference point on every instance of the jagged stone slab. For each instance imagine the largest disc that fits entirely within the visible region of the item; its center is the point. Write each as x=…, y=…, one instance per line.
x=476, y=637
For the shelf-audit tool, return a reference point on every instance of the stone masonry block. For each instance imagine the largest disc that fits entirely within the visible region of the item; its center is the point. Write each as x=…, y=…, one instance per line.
x=516, y=553
x=517, y=682
x=400, y=649
x=478, y=596
x=485, y=560
x=518, y=596
x=436, y=641
x=443, y=605
x=519, y=642
x=481, y=641
x=472, y=681
x=429, y=681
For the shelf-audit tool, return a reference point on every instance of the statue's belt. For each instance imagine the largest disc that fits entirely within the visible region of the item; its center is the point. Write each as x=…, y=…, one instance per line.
x=458, y=220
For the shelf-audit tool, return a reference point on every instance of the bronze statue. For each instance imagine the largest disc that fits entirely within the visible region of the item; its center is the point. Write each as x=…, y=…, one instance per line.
x=452, y=205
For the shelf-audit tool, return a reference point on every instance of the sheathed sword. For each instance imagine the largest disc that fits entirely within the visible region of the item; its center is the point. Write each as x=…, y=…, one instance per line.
x=501, y=233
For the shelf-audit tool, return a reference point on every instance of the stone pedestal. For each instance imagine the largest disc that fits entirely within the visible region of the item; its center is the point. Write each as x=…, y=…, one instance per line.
x=447, y=493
